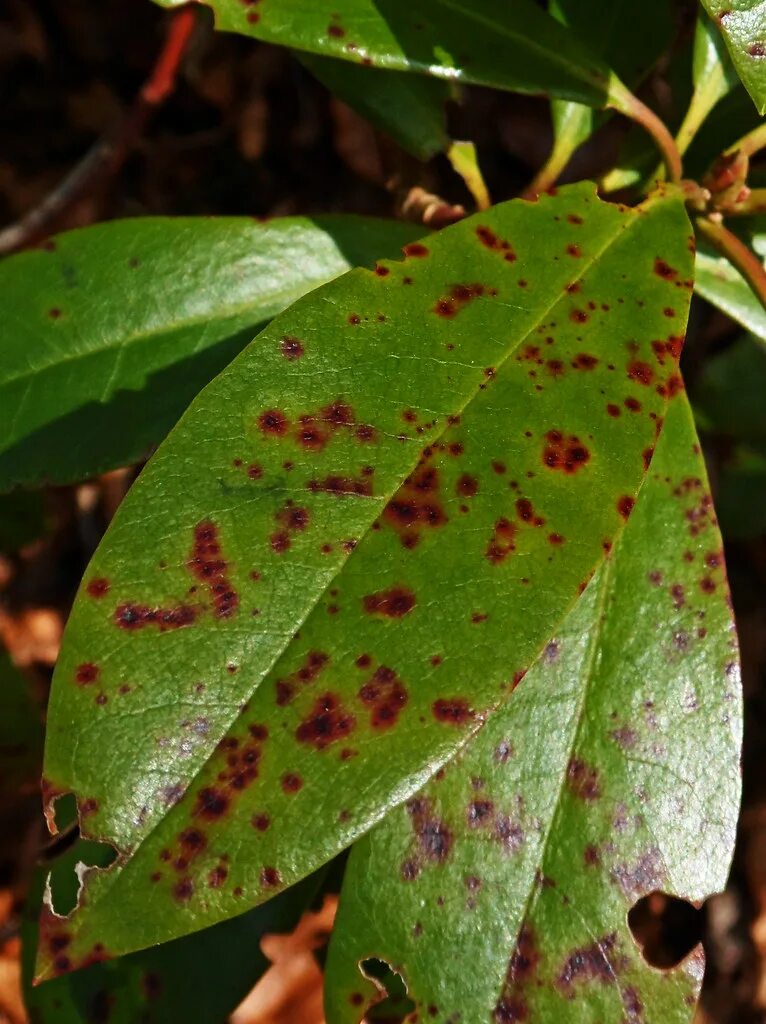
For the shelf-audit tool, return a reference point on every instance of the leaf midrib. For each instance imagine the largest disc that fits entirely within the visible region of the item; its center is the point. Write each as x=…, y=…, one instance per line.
x=116, y=871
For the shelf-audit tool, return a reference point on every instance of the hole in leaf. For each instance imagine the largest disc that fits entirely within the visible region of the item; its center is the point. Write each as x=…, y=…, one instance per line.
x=71, y=856
x=395, y=1004
x=666, y=928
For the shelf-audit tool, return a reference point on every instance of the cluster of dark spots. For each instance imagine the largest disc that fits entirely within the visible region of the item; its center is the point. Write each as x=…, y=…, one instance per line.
x=640, y=372
x=132, y=616
x=452, y=711
x=502, y=543
x=393, y=603
x=595, y=962
x=97, y=587
x=490, y=240
x=287, y=687
x=416, y=506
x=207, y=564
x=523, y=966
x=86, y=673
x=526, y=512
x=582, y=780
x=625, y=505
x=678, y=595
x=434, y=839
x=326, y=722
x=459, y=296
x=584, y=361
x=385, y=696
x=563, y=452
x=646, y=874
x=291, y=348
x=664, y=270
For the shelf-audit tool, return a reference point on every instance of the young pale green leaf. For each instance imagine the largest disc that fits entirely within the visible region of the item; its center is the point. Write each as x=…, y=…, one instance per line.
x=353, y=542
x=743, y=26
x=112, y=330
x=485, y=42
x=409, y=108
x=612, y=772
x=606, y=29
x=718, y=281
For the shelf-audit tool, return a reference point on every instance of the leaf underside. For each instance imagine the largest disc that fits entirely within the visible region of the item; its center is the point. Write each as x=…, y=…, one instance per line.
x=350, y=549
x=613, y=772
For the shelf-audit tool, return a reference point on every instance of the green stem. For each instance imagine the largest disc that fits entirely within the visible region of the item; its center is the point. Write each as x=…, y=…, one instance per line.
x=549, y=173
x=744, y=259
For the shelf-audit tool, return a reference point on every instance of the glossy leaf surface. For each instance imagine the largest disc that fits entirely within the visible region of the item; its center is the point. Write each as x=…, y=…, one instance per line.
x=351, y=545
x=486, y=42
x=743, y=26
x=112, y=330
x=613, y=771
x=408, y=108
x=718, y=281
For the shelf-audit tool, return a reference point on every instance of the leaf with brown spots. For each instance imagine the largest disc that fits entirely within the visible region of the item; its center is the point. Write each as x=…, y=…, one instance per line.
x=289, y=624
x=613, y=771
x=743, y=26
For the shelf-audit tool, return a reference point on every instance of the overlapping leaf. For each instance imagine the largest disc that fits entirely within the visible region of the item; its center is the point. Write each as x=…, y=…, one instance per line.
x=110, y=331
x=743, y=25
x=613, y=771
x=348, y=550
x=718, y=281
x=486, y=42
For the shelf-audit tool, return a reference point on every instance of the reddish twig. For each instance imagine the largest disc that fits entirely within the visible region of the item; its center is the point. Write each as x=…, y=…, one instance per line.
x=104, y=159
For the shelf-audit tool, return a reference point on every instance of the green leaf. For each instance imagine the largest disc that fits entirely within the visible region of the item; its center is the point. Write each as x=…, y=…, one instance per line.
x=718, y=281
x=728, y=394
x=485, y=42
x=606, y=30
x=270, y=647
x=409, y=108
x=199, y=979
x=613, y=772
x=743, y=26
x=113, y=329
x=713, y=76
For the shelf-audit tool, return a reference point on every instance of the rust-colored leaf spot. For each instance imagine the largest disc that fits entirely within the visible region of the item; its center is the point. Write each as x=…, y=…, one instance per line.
x=640, y=372
x=293, y=518
x=326, y=723
x=527, y=514
x=342, y=485
x=578, y=316
x=86, y=673
x=502, y=542
x=584, y=361
x=566, y=453
x=415, y=249
x=208, y=565
x=574, y=251
x=454, y=711
x=385, y=696
x=590, y=963
x=291, y=347
x=664, y=270
x=291, y=783
x=416, y=506
x=130, y=617
x=625, y=505
x=211, y=804
x=434, y=839
x=260, y=822
x=98, y=587
x=613, y=410
x=270, y=878
x=393, y=603
x=459, y=296
x=467, y=486
x=280, y=542
x=273, y=422
x=381, y=270
x=582, y=780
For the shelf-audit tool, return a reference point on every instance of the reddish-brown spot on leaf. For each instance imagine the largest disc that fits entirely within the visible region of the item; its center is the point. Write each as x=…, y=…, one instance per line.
x=467, y=486
x=342, y=485
x=455, y=711
x=582, y=780
x=640, y=372
x=502, y=542
x=291, y=347
x=287, y=687
x=490, y=240
x=596, y=962
x=326, y=723
x=459, y=296
x=98, y=587
x=416, y=506
x=393, y=603
x=86, y=673
x=625, y=505
x=664, y=270
x=563, y=452
x=270, y=878
x=584, y=361
x=273, y=422
x=385, y=696
x=130, y=616
x=291, y=783
x=415, y=249
x=208, y=565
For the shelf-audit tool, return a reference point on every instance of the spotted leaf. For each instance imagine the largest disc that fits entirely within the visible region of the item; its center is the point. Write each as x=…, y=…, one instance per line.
x=108, y=342
x=743, y=26
x=613, y=772
x=352, y=546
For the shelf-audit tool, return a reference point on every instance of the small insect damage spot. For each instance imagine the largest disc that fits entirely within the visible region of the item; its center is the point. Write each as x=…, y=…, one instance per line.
x=564, y=452
x=394, y=603
x=459, y=296
x=287, y=687
x=385, y=696
x=666, y=929
x=326, y=723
